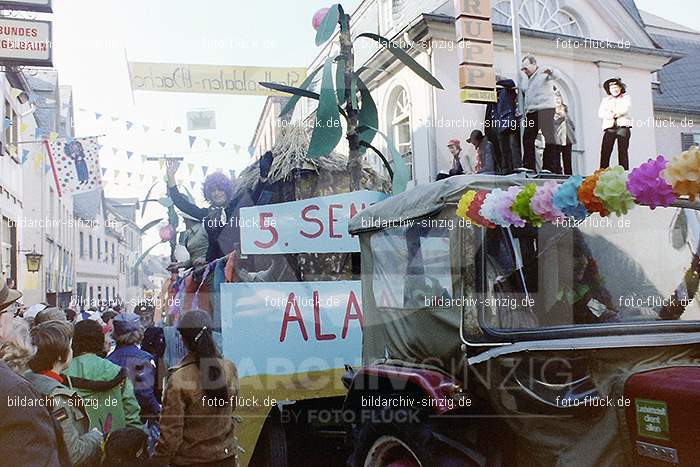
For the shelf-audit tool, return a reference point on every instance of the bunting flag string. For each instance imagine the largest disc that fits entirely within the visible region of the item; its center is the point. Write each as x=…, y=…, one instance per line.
x=177, y=130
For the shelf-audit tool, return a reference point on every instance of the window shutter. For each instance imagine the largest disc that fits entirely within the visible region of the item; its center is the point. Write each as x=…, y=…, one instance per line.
x=687, y=140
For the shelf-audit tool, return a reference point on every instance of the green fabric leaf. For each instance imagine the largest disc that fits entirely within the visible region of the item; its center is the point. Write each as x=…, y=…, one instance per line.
x=140, y=259
x=387, y=166
x=327, y=27
x=327, y=131
x=292, y=102
x=166, y=202
x=150, y=225
x=340, y=80
x=402, y=175
x=147, y=198
x=406, y=59
x=289, y=89
x=368, y=117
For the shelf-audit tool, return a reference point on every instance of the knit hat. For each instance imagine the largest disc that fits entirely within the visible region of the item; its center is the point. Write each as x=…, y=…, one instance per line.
x=88, y=337
x=126, y=323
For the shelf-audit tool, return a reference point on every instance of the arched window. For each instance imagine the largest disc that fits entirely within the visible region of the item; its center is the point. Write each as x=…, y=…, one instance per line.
x=400, y=125
x=540, y=15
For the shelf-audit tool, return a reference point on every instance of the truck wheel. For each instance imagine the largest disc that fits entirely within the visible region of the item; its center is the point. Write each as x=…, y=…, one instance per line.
x=382, y=442
x=271, y=450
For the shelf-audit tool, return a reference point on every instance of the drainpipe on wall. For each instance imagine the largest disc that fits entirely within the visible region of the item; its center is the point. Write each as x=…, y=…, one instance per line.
x=432, y=156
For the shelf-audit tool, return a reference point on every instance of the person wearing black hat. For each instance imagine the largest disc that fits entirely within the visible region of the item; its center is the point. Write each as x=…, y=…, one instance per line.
x=485, y=158
x=617, y=124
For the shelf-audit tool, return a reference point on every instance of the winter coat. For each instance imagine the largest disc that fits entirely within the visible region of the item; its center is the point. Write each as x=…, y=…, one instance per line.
x=564, y=130
x=615, y=111
x=221, y=224
x=486, y=158
x=84, y=445
x=539, y=93
x=109, y=391
x=28, y=433
x=191, y=432
x=141, y=367
x=507, y=106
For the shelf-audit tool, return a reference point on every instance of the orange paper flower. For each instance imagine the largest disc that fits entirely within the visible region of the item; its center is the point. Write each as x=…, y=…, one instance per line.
x=587, y=196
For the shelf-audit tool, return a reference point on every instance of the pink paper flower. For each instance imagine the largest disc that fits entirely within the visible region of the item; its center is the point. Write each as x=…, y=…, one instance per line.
x=648, y=186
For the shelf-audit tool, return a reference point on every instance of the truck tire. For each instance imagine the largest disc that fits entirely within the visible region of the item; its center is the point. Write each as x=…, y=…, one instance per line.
x=271, y=450
x=383, y=442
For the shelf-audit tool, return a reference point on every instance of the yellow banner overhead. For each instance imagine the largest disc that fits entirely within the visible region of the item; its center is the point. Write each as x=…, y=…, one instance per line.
x=211, y=79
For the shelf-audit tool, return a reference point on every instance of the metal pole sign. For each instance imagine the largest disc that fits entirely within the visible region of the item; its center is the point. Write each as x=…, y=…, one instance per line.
x=43, y=6
x=477, y=78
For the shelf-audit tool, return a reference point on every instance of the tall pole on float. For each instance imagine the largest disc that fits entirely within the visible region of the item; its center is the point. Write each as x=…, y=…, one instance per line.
x=517, y=54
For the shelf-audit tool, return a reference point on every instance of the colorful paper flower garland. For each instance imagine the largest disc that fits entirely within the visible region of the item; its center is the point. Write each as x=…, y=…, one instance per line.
x=656, y=183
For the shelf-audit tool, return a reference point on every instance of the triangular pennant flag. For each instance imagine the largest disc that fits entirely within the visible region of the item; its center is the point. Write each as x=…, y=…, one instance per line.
x=146, y=128
x=129, y=125
x=192, y=184
x=233, y=174
x=141, y=177
x=115, y=119
x=25, y=155
x=222, y=143
x=39, y=132
x=23, y=127
x=97, y=115
x=237, y=148
x=153, y=179
x=129, y=154
x=53, y=136
x=116, y=174
x=47, y=168
x=33, y=98
x=204, y=170
x=104, y=171
x=129, y=174
x=208, y=141
x=16, y=92
x=161, y=163
x=192, y=140
x=115, y=151
x=191, y=168
x=144, y=158
x=6, y=123
x=251, y=150
x=38, y=160
x=178, y=130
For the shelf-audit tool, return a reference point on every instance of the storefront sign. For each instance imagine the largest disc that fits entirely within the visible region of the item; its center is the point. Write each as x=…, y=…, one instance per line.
x=314, y=225
x=477, y=79
x=211, y=79
x=283, y=328
x=43, y=6
x=25, y=42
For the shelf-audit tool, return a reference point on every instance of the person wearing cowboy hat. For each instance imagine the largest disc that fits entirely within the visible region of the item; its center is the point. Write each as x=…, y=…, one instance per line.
x=8, y=296
x=617, y=124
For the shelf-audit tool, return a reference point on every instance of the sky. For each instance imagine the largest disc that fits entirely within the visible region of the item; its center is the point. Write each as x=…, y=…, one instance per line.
x=93, y=38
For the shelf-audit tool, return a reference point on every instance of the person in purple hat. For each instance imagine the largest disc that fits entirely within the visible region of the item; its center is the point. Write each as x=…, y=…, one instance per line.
x=139, y=364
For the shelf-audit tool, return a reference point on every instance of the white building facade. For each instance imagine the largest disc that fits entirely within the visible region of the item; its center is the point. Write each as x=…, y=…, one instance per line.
x=419, y=120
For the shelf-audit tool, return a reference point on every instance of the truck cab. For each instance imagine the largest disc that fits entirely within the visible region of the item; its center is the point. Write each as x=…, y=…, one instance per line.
x=574, y=343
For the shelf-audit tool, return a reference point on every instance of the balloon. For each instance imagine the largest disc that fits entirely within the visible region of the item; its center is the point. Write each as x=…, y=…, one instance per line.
x=318, y=17
x=166, y=233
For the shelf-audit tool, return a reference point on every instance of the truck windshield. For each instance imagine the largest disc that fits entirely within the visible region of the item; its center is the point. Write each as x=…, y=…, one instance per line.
x=637, y=269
